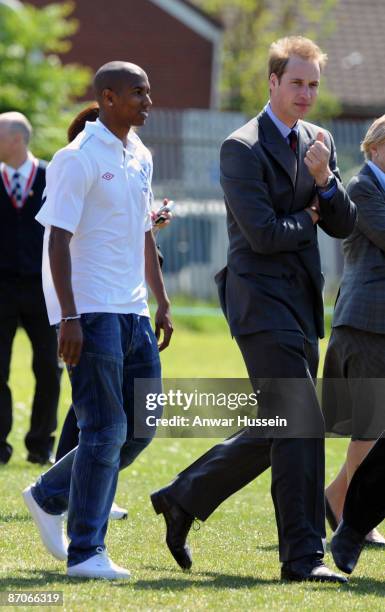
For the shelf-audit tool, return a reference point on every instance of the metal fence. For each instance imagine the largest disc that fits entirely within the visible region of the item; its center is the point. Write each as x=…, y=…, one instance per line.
x=185, y=146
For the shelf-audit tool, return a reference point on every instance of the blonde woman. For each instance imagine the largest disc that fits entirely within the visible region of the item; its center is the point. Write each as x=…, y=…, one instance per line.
x=354, y=373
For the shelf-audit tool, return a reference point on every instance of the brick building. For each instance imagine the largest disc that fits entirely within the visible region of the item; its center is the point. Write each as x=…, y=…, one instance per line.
x=176, y=43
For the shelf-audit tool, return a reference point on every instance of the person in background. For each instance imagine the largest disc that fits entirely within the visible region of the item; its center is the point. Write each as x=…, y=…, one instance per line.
x=21, y=293
x=364, y=508
x=354, y=371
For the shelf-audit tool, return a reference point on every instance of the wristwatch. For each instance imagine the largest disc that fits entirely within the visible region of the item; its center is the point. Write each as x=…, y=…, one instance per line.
x=329, y=184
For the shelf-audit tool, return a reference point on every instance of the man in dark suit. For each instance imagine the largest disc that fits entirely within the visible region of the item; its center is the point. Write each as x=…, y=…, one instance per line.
x=280, y=181
x=21, y=294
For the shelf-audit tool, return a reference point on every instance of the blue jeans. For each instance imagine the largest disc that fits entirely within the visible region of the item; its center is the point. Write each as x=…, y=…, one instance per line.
x=116, y=349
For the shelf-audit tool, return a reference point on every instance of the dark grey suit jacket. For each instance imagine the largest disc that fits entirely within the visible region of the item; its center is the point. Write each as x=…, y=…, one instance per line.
x=361, y=300
x=273, y=278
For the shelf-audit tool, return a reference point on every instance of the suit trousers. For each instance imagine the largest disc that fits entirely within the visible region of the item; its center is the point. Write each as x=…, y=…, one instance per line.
x=364, y=505
x=298, y=463
x=22, y=302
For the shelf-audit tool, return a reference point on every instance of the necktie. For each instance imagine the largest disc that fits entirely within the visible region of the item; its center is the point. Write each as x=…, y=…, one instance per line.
x=16, y=192
x=293, y=139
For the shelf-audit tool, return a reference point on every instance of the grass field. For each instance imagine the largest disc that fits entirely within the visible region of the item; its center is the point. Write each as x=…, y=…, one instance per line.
x=235, y=552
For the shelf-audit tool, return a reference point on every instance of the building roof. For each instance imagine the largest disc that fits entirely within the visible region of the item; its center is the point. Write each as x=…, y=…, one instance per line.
x=193, y=17
x=205, y=15
x=355, y=72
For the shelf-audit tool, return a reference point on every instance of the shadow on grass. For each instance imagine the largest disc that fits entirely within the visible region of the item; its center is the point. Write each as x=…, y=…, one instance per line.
x=39, y=579
x=361, y=586
x=267, y=547
x=370, y=586
x=20, y=518
x=211, y=580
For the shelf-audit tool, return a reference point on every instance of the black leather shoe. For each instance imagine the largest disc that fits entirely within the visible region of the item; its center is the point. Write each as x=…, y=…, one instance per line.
x=5, y=452
x=40, y=458
x=346, y=546
x=310, y=569
x=178, y=524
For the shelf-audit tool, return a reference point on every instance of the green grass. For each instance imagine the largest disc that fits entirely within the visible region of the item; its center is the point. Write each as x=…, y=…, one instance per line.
x=235, y=551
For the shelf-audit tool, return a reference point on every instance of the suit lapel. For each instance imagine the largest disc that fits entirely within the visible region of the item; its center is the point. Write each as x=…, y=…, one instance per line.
x=277, y=146
x=366, y=170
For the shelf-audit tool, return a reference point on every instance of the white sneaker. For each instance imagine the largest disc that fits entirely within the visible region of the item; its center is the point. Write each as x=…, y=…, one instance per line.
x=117, y=512
x=98, y=566
x=50, y=526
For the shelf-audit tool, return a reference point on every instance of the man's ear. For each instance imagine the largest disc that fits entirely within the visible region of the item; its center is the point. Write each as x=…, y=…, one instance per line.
x=273, y=80
x=108, y=97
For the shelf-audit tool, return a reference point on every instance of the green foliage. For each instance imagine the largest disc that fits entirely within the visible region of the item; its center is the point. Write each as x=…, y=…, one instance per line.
x=250, y=27
x=33, y=79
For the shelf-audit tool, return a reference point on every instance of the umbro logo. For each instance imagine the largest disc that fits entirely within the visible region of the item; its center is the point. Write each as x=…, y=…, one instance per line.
x=108, y=176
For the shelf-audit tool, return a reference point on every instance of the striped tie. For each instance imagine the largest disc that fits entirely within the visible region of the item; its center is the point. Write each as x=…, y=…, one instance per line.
x=17, y=193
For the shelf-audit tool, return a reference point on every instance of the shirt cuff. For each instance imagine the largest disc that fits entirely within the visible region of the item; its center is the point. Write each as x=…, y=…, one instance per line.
x=327, y=195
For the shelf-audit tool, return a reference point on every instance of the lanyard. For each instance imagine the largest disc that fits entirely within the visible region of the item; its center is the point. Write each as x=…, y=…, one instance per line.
x=8, y=186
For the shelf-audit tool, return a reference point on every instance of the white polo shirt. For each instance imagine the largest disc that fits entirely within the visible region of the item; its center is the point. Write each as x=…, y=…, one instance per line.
x=101, y=193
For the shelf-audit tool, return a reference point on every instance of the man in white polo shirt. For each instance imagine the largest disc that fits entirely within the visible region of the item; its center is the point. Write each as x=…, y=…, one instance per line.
x=98, y=251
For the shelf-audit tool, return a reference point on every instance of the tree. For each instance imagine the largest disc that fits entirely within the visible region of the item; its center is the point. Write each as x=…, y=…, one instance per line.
x=33, y=79
x=250, y=27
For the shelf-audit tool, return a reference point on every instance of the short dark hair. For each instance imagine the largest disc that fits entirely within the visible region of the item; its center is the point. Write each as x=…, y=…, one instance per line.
x=114, y=76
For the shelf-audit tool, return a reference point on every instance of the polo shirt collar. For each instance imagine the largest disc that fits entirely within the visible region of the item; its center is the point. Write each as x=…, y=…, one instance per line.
x=97, y=128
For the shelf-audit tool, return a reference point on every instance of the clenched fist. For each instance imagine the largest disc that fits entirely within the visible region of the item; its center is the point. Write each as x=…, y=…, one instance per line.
x=317, y=160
